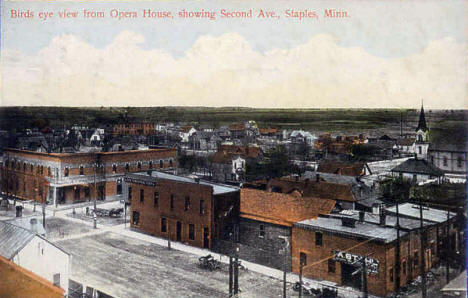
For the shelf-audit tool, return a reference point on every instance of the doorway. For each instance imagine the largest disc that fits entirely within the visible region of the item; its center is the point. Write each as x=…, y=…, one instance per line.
x=347, y=277
x=179, y=231
x=206, y=238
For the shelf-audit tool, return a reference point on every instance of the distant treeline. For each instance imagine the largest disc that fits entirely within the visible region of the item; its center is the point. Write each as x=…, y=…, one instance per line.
x=309, y=119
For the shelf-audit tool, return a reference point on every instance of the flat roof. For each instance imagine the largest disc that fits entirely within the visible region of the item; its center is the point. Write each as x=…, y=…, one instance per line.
x=390, y=219
x=217, y=188
x=365, y=230
x=429, y=214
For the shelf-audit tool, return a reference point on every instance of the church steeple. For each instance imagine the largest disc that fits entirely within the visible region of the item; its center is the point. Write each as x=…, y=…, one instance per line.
x=422, y=120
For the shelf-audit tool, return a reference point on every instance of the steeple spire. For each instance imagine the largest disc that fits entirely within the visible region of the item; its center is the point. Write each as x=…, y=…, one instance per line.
x=422, y=119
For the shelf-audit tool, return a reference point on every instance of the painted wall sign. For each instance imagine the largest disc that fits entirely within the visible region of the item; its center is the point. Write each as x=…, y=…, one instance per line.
x=372, y=265
x=139, y=181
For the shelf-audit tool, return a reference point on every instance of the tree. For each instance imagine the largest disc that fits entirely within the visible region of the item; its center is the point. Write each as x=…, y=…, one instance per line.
x=396, y=189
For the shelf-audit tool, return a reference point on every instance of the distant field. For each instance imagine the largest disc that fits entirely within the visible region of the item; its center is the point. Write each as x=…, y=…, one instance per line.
x=333, y=120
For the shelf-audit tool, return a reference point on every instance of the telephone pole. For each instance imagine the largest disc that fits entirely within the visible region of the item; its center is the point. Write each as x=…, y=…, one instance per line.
x=397, y=254
x=364, y=277
x=447, y=248
x=422, y=265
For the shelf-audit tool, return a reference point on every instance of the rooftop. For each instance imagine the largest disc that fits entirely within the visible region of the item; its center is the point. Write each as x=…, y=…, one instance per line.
x=13, y=239
x=418, y=166
x=217, y=188
x=364, y=230
x=429, y=214
x=281, y=208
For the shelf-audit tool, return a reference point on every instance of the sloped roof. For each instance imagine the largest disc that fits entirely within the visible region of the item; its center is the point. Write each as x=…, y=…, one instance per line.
x=237, y=126
x=281, y=208
x=347, y=169
x=186, y=129
x=461, y=147
x=418, y=166
x=13, y=239
x=405, y=141
x=324, y=190
x=265, y=131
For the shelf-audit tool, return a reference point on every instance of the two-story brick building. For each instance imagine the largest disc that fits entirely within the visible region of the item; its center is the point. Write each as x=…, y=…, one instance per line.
x=182, y=209
x=74, y=177
x=331, y=248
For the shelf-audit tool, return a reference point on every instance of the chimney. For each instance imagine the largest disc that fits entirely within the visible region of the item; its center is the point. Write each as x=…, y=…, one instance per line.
x=317, y=177
x=196, y=179
x=361, y=216
x=382, y=215
x=348, y=222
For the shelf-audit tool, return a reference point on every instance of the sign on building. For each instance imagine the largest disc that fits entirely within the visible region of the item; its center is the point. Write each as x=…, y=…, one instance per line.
x=372, y=265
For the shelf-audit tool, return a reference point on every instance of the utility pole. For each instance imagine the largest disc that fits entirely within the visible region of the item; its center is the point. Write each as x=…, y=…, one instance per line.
x=285, y=261
x=397, y=254
x=231, y=263
x=301, y=264
x=364, y=277
x=447, y=248
x=236, y=272
x=43, y=213
x=422, y=265
x=95, y=196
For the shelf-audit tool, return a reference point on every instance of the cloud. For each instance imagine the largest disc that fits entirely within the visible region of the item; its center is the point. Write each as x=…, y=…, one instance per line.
x=225, y=70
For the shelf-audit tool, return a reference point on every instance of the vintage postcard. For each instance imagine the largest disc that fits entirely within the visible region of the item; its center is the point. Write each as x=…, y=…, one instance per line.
x=233, y=148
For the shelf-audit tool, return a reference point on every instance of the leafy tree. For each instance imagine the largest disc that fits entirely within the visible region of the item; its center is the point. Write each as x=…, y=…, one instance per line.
x=396, y=189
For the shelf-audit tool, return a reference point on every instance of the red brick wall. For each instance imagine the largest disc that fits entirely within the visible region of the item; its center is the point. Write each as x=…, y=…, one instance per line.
x=150, y=215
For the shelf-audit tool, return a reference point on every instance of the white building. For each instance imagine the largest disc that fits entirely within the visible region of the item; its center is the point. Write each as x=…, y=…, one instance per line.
x=34, y=253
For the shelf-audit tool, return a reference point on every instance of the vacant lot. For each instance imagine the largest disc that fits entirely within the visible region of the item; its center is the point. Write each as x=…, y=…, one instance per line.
x=126, y=267
x=58, y=228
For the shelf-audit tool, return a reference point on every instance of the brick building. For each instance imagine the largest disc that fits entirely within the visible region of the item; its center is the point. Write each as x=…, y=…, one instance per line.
x=182, y=209
x=74, y=177
x=265, y=223
x=328, y=247
x=134, y=129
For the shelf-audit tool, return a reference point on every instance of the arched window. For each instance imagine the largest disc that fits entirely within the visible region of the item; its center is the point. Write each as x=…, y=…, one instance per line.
x=81, y=170
x=127, y=167
x=24, y=166
x=66, y=172
x=150, y=165
x=114, y=168
x=161, y=163
x=170, y=163
x=32, y=168
x=139, y=165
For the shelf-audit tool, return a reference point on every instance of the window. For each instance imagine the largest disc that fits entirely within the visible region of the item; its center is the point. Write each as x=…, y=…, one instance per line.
x=49, y=172
x=170, y=163
x=432, y=159
x=127, y=167
x=416, y=260
x=156, y=198
x=81, y=170
x=163, y=225
x=459, y=162
x=129, y=194
x=420, y=149
x=86, y=191
x=161, y=163
x=390, y=274
x=318, y=238
x=445, y=161
x=150, y=165
x=136, y=218
x=191, y=232
x=415, y=178
x=67, y=171
x=172, y=202
x=142, y=195
x=32, y=168
x=403, y=266
x=57, y=280
x=261, y=233
x=24, y=166
x=303, y=258
x=331, y=266
x=187, y=203
x=202, y=207
x=114, y=168
x=139, y=165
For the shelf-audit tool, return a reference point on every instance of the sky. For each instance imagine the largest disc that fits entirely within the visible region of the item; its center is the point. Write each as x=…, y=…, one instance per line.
x=386, y=54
